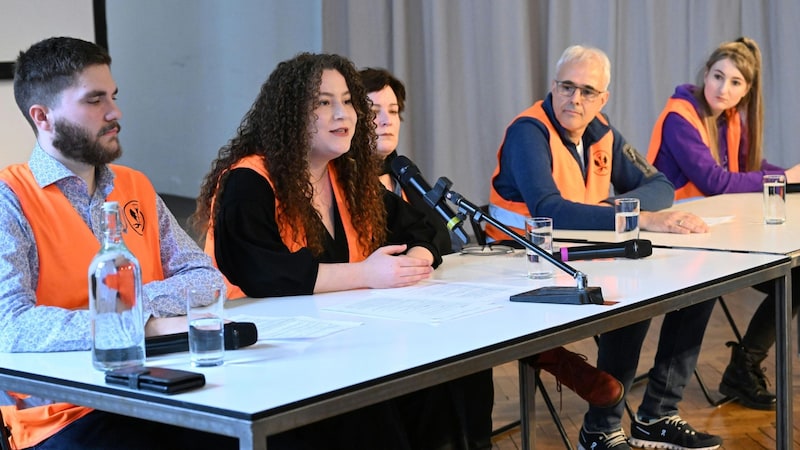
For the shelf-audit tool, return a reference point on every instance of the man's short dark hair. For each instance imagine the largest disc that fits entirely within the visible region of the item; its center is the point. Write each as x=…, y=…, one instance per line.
x=49, y=67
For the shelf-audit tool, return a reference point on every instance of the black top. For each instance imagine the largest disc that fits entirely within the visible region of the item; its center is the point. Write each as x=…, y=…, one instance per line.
x=250, y=252
x=445, y=241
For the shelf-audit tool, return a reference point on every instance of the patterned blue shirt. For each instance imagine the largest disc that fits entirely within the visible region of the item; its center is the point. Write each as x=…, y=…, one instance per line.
x=27, y=328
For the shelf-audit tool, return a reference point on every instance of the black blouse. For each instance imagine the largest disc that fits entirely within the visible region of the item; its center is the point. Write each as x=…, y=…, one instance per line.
x=444, y=240
x=250, y=252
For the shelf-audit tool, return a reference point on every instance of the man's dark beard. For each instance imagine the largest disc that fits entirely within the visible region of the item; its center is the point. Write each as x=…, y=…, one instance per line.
x=77, y=144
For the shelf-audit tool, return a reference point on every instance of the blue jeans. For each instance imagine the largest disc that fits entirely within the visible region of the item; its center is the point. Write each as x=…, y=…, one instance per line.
x=676, y=358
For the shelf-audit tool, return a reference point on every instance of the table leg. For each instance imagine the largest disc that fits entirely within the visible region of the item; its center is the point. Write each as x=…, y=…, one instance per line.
x=527, y=402
x=783, y=366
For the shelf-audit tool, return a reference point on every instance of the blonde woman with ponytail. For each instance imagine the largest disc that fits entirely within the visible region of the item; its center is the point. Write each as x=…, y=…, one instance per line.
x=708, y=141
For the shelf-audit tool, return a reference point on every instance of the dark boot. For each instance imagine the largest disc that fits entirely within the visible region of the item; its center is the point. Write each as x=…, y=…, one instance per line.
x=598, y=388
x=744, y=379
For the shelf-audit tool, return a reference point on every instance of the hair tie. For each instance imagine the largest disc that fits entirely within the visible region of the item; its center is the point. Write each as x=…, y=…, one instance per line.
x=744, y=41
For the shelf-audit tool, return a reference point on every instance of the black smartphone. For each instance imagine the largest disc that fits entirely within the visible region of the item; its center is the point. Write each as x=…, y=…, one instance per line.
x=157, y=379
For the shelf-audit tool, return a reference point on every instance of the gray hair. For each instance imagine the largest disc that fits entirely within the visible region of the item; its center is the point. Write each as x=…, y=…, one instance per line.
x=579, y=53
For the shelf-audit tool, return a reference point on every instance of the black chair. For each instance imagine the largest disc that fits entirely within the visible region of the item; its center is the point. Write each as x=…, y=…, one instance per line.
x=725, y=399
x=547, y=401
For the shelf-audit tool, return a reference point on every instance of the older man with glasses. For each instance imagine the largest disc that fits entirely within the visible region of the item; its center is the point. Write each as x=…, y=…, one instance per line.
x=561, y=158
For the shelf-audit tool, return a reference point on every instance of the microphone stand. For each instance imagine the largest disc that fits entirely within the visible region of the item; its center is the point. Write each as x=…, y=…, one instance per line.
x=581, y=294
x=434, y=196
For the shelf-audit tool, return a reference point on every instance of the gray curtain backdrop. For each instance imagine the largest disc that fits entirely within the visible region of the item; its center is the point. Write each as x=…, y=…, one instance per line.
x=471, y=65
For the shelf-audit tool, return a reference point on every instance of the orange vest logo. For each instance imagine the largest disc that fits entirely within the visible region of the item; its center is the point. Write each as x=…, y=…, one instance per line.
x=600, y=162
x=134, y=217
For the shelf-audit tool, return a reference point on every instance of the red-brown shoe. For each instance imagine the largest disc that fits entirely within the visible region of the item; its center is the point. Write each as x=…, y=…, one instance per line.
x=598, y=388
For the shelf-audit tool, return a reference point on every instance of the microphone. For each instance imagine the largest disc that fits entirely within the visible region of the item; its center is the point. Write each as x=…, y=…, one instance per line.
x=631, y=249
x=581, y=294
x=411, y=178
x=237, y=335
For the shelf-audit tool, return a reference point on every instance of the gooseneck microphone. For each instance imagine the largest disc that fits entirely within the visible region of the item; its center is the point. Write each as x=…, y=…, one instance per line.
x=631, y=249
x=581, y=294
x=411, y=178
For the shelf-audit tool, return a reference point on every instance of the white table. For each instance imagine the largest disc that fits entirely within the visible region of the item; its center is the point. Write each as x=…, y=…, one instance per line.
x=744, y=230
x=737, y=226
x=271, y=387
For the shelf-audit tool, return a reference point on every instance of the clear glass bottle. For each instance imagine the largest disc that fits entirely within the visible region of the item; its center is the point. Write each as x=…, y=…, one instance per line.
x=115, y=299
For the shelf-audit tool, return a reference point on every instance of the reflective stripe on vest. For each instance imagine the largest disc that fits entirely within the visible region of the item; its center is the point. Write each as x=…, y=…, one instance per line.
x=566, y=171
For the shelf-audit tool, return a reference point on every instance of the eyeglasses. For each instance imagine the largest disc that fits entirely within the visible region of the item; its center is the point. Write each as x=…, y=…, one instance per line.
x=568, y=88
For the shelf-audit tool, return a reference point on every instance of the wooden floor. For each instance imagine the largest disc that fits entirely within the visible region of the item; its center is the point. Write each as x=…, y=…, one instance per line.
x=740, y=428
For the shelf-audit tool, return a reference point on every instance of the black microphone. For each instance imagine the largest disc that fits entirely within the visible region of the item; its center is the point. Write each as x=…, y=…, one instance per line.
x=410, y=177
x=632, y=249
x=581, y=294
x=237, y=335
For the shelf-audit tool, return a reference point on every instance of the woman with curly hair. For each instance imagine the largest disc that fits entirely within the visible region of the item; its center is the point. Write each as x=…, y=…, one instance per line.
x=293, y=205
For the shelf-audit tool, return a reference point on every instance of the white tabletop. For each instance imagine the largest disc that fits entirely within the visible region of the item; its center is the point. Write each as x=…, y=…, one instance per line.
x=273, y=378
x=736, y=225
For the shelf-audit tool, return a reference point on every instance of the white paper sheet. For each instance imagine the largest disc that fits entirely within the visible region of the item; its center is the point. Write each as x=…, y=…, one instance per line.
x=429, y=301
x=297, y=327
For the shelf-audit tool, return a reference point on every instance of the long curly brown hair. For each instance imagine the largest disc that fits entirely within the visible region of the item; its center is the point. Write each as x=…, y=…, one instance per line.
x=278, y=126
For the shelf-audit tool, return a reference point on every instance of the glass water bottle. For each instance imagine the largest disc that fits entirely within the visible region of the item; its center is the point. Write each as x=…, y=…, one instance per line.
x=115, y=299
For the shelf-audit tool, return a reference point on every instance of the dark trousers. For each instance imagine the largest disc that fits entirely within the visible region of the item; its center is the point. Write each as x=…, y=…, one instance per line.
x=100, y=430
x=676, y=358
x=760, y=334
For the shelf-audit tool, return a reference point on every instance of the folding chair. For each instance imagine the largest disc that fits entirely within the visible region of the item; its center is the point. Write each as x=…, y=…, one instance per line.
x=547, y=401
x=725, y=399
x=557, y=419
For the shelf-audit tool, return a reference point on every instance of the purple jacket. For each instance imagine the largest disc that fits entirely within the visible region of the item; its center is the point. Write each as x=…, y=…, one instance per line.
x=683, y=157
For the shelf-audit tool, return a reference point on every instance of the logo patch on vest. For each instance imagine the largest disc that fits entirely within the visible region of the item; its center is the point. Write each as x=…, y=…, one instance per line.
x=600, y=162
x=134, y=217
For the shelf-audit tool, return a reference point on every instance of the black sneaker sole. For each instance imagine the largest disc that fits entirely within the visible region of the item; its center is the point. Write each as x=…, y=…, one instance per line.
x=730, y=391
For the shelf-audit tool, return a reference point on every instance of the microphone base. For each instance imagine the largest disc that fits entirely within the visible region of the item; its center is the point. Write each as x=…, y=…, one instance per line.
x=563, y=295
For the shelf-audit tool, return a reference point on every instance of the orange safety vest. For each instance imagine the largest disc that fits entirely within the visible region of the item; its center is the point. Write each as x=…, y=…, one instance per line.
x=566, y=172
x=256, y=162
x=685, y=109
x=66, y=246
